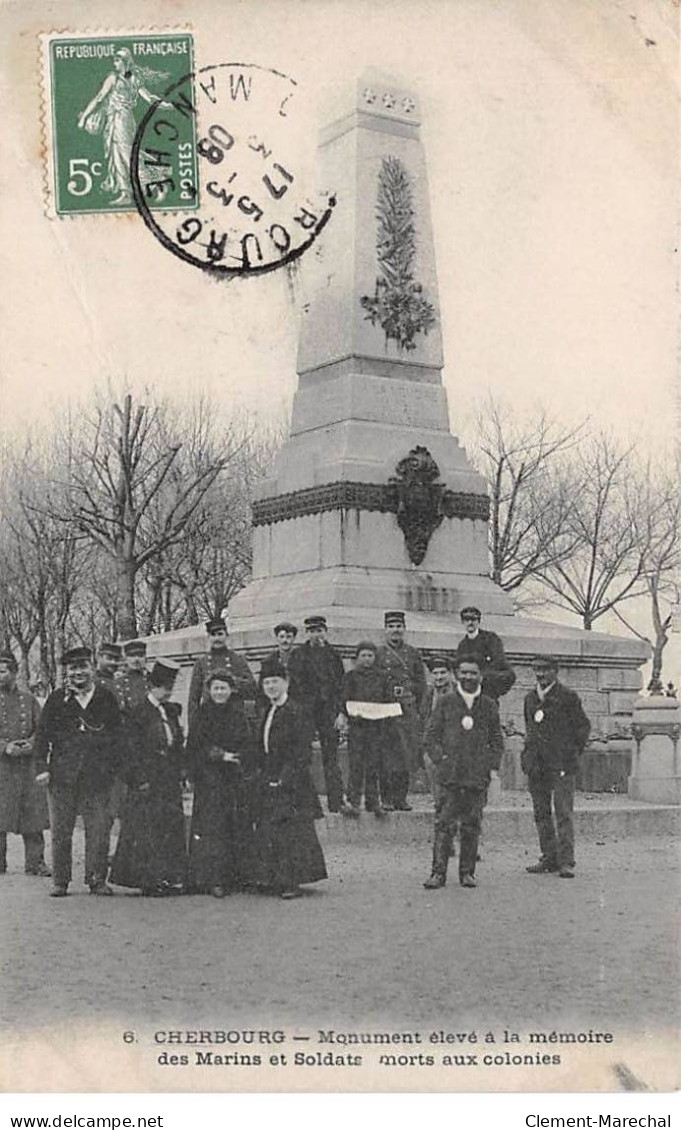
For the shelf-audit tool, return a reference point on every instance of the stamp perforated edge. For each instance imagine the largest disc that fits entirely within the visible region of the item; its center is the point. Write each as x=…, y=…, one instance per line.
x=45, y=38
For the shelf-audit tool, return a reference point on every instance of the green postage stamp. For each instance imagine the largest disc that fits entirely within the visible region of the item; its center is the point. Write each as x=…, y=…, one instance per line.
x=96, y=91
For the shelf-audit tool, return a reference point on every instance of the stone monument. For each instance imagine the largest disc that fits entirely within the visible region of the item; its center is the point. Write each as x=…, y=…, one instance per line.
x=373, y=503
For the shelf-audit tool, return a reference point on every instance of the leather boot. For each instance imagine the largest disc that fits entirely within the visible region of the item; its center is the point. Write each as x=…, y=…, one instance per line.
x=441, y=848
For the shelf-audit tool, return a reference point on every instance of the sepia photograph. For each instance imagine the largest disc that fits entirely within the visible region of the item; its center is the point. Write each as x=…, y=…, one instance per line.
x=340, y=546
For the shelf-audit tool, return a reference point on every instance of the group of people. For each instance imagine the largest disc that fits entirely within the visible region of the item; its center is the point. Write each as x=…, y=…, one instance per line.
x=109, y=744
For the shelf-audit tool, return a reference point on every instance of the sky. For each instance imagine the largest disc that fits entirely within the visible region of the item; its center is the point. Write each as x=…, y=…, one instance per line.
x=551, y=131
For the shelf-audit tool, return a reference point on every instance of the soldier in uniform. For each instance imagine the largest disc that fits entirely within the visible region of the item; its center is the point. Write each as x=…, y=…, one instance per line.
x=109, y=659
x=22, y=802
x=464, y=740
x=78, y=754
x=317, y=673
x=131, y=684
x=556, y=731
x=488, y=650
x=221, y=658
x=408, y=678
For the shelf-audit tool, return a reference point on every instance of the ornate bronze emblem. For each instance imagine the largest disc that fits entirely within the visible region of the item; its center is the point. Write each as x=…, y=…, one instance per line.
x=421, y=501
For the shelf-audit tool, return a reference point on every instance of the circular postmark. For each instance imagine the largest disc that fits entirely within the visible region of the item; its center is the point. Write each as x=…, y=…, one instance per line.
x=224, y=142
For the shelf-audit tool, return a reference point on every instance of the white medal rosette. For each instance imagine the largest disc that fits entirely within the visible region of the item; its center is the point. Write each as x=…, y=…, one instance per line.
x=374, y=711
x=467, y=722
x=539, y=715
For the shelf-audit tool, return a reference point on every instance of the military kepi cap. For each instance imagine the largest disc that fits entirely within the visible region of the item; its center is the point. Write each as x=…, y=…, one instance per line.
x=315, y=622
x=135, y=647
x=8, y=658
x=272, y=667
x=217, y=624
x=113, y=649
x=285, y=626
x=471, y=611
x=434, y=661
x=163, y=673
x=394, y=618
x=80, y=654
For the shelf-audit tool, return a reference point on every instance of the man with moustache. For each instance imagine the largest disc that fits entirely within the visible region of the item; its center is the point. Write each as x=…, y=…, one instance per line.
x=464, y=741
x=78, y=754
x=108, y=664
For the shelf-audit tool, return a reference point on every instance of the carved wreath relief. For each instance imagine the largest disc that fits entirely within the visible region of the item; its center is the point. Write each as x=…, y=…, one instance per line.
x=421, y=502
x=397, y=304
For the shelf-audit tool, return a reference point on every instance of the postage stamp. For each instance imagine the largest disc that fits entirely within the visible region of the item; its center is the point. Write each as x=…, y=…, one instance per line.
x=257, y=208
x=96, y=89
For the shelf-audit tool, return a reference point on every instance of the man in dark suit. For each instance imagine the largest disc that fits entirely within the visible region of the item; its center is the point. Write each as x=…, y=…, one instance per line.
x=464, y=740
x=488, y=650
x=316, y=672
x=556, y=732
x=78, y=752
x=131, y=682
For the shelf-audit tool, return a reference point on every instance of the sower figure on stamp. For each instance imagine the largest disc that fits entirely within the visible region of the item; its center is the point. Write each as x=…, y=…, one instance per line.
x=316, y=671
x=221, y=658
x=464, y=740
x=23, y=808
x=151, y=847
x=407, y=674
x=487, y=648
x=556, y=732
x=78, y=751
x=371, y=710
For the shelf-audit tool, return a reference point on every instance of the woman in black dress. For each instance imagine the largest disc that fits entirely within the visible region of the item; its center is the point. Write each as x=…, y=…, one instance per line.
x=288, y=851
x=221, y=762
x=151, y=851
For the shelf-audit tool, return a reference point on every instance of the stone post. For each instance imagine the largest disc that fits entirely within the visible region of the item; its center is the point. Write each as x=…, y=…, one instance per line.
x=656, y=767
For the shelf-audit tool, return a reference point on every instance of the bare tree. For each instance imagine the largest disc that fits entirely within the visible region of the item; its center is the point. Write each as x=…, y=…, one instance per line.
x=530, y=495
x=661, y=501
x=611, y=535
x=125, y=495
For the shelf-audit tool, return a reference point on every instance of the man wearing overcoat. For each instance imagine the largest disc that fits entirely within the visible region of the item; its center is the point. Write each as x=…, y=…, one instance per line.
x=556, y=733
x=407, y=674
x=464, y=741
x=131, y=683
x=108, y=664
x=22, y=802
x=78, y=754
x=316, y=672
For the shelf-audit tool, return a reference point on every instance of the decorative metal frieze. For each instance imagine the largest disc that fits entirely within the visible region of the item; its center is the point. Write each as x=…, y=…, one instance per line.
x=398, y=303
x=382, y=497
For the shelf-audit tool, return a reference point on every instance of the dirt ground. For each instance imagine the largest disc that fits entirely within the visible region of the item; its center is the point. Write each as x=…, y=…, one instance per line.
x=370, y=945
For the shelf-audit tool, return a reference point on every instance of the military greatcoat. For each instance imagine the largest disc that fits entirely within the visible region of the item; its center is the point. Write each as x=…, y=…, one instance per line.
x=23, y=804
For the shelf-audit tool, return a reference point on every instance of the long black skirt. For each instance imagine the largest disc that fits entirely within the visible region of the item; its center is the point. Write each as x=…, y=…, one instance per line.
x=288, y=852
x=151, y=851
x=221, y=842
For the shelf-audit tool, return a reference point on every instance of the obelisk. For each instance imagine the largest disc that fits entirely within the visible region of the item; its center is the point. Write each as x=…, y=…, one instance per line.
x=372, y=503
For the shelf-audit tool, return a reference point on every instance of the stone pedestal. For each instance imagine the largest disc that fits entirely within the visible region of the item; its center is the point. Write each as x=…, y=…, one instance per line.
x=373, y=504
x=656, y=768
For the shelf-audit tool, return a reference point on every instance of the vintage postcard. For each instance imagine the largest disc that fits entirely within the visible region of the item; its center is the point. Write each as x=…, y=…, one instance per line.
x=340, y=546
